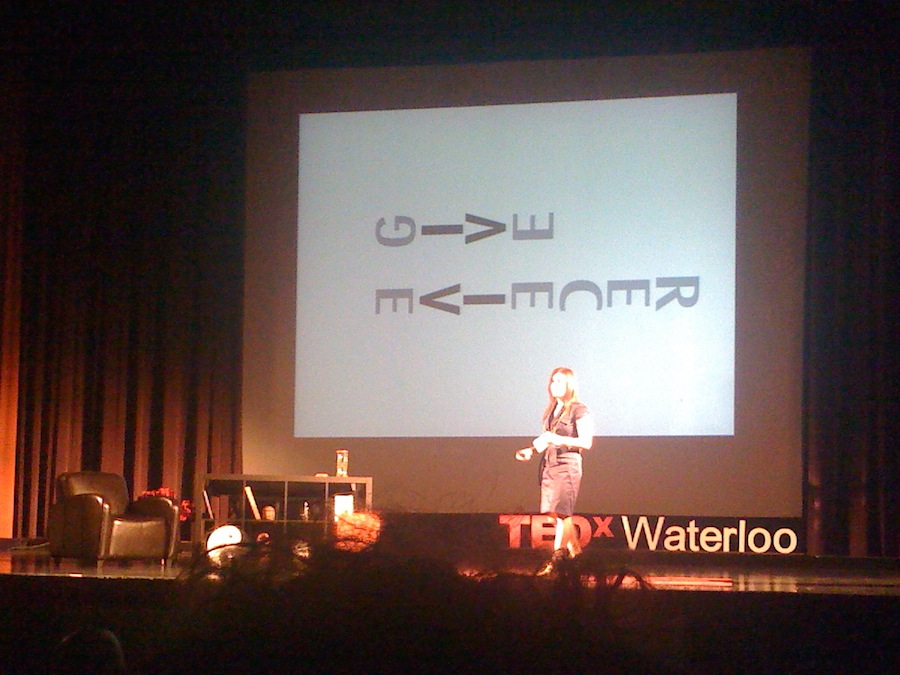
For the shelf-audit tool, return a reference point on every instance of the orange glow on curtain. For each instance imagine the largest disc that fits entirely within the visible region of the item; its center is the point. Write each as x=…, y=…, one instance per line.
x=11, y=215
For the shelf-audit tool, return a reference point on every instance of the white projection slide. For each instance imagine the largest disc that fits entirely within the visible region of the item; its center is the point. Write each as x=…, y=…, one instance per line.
x=449, y=258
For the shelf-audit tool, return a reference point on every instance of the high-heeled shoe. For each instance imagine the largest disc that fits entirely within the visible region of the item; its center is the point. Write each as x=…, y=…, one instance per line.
x=550, y=566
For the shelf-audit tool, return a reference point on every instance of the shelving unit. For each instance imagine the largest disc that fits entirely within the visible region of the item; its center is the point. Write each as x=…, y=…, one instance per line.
x=302, y=504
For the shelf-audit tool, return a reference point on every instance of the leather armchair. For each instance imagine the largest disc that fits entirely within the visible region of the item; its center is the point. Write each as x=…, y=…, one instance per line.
x=93, y=518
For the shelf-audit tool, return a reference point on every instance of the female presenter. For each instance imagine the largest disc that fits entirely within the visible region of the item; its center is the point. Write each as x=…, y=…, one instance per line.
x=568, y=430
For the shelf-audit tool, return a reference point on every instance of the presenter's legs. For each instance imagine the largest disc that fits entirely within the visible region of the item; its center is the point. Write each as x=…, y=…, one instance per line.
x=569, y=536
x=565, y=544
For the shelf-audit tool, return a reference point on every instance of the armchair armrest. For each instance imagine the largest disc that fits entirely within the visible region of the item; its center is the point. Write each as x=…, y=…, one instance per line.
x=78, y=526
x=159, y=507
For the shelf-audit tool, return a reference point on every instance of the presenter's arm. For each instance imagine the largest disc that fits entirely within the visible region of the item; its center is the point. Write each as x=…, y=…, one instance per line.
x=584, y=439
x=539, y=444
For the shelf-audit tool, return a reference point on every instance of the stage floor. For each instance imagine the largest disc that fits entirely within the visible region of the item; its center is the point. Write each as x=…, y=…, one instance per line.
x=663, y=571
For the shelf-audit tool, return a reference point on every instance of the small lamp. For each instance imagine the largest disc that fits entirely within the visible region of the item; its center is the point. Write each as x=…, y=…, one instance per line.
x=226, y=535
x=343, y=505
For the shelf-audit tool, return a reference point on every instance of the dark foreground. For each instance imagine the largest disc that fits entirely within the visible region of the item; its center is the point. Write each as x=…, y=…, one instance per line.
x=269, y=610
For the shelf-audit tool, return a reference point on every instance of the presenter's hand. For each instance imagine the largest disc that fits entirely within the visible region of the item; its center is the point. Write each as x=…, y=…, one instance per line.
x=524, y=454
x=541, y=442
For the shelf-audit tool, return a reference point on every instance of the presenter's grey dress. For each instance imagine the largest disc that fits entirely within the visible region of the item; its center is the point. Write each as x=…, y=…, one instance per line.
x=560, y=468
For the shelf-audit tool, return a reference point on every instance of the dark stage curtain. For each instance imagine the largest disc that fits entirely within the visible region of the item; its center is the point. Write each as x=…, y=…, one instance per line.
x=131, y=283
x=12, y=161
x=852, y=369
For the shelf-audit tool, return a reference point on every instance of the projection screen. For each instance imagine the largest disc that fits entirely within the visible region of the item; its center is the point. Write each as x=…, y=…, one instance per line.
x=424, y=244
